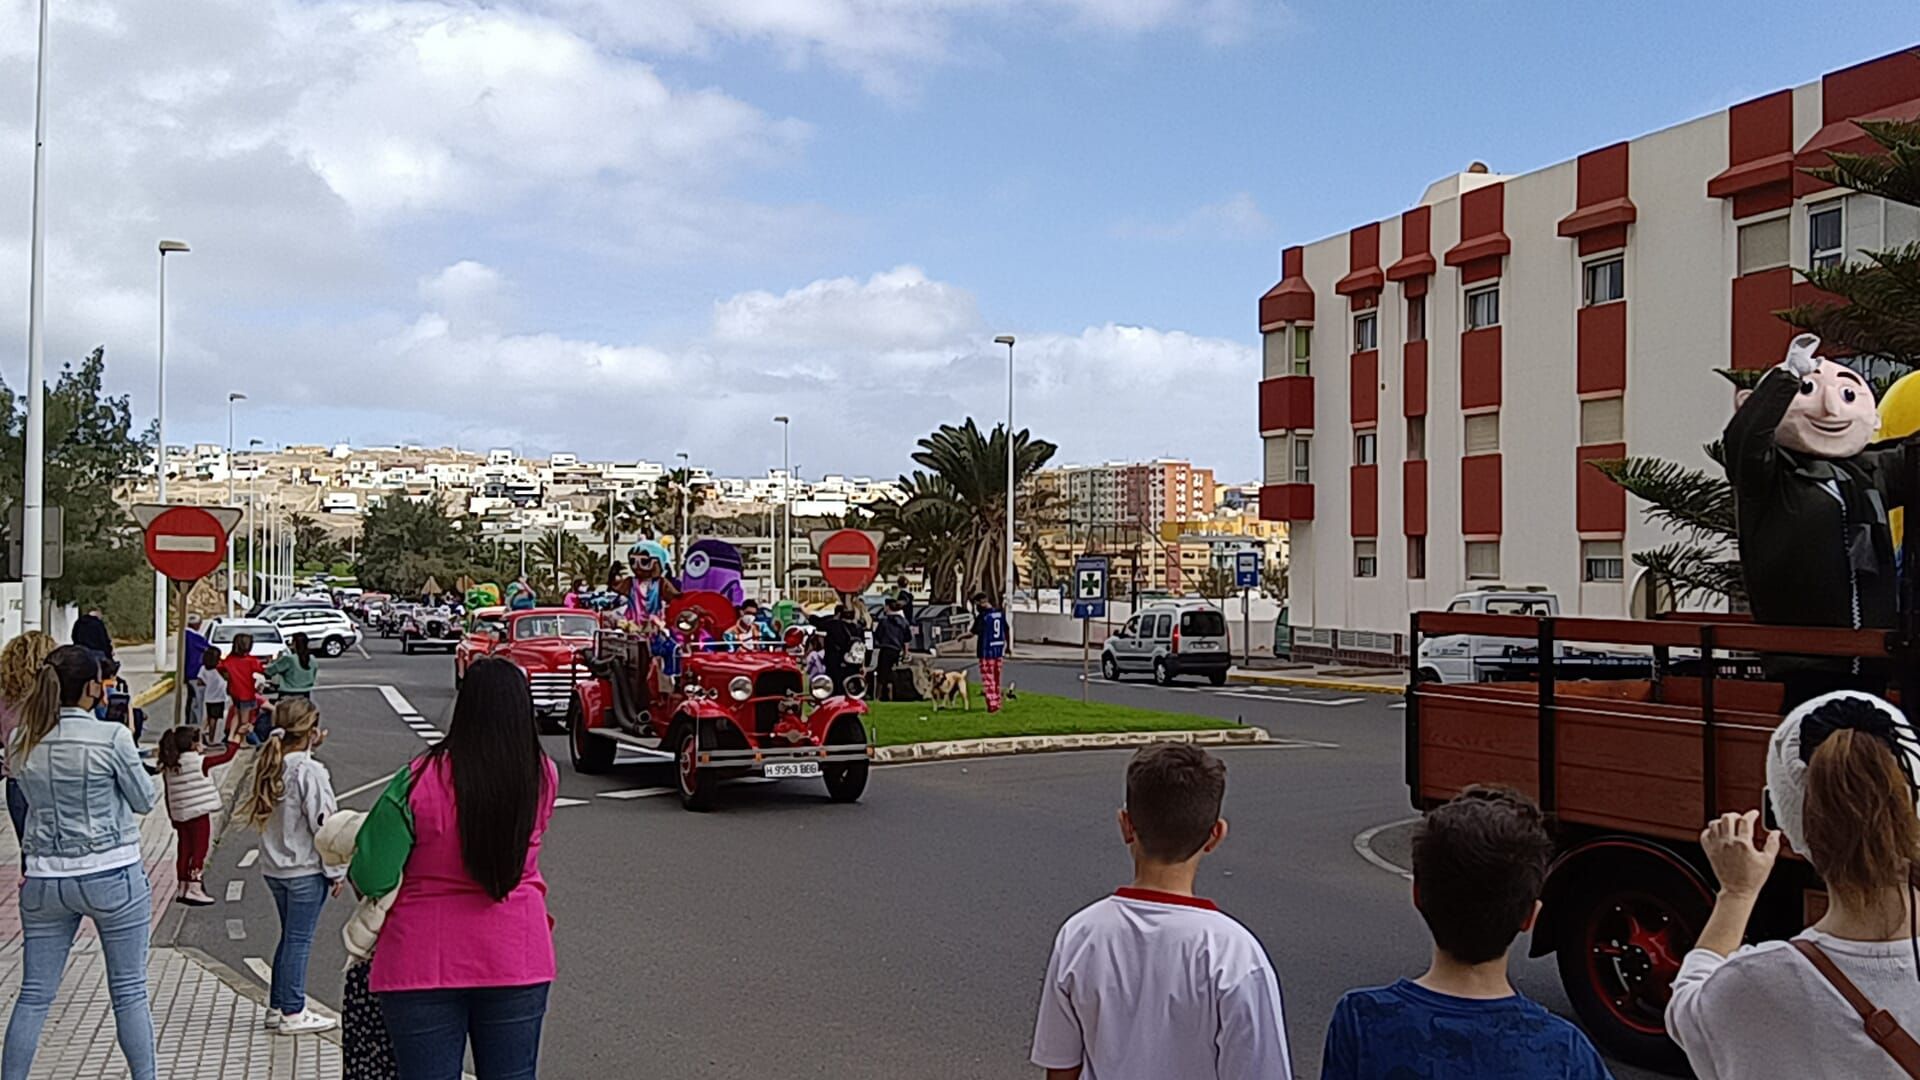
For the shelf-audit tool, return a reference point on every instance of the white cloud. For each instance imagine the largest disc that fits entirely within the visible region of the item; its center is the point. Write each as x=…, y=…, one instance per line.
x=898, y=310
x=1237, y=217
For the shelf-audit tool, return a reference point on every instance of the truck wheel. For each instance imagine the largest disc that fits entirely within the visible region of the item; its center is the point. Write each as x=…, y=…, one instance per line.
x=1217, y=678
x=846, y=779
x=334, y=647
x=1161, y=675
x=1619, y=943
x=590, y=753
x=1110, y=668
x=696, y=791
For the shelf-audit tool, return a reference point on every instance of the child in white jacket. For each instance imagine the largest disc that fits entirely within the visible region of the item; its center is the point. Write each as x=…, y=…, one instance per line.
x=368, y=1052
x=192, y=800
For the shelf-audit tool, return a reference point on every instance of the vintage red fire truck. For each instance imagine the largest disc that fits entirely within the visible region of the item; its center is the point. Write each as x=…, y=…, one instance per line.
x=716, y=709
x=1629, y=770
x=544, y=643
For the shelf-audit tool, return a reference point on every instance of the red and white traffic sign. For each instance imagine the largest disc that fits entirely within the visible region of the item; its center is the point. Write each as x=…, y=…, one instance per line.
x=849, y=559
x=186, y=543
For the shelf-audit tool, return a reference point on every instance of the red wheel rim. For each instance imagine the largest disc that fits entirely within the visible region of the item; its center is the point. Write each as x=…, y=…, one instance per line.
x=688, y=766
x=1634, y=945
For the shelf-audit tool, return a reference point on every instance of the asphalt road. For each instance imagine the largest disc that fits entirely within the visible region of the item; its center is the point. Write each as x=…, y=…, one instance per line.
x=782, y=935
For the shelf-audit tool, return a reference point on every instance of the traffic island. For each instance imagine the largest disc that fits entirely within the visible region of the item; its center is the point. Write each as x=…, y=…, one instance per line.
x=1036, y=723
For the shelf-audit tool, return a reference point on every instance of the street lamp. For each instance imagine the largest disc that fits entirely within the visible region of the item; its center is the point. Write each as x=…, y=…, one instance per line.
x=785, y=558
x=160, y=635
x=254, y=587
x=686, y=484
x=33, y=502
x=1007, y=608
x=231, y=399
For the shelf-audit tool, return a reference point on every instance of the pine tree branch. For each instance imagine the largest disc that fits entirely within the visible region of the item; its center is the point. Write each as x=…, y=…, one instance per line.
x=1695, y=570
x=1892, y=174
x=1688, y=500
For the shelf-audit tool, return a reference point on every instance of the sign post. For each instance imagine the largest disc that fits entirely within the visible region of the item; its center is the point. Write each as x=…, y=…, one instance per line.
x=185, y=543
x=1089, y=603
x=1246, y=574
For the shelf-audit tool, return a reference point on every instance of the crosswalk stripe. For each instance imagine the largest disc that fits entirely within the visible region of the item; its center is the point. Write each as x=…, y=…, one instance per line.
x=569, y=802
x=635, y=793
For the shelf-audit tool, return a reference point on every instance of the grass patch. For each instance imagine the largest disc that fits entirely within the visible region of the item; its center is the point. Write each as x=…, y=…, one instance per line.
x=898, y=722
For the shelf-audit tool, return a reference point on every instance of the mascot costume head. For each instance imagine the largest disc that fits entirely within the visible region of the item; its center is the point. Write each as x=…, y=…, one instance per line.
x=714, y=566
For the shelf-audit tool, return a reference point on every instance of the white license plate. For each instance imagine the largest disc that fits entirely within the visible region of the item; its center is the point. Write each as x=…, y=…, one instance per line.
x=782, y=770
x=1204, y=646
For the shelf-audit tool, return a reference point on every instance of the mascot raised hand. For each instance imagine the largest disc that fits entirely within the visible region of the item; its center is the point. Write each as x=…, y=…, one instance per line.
x=1812, y=499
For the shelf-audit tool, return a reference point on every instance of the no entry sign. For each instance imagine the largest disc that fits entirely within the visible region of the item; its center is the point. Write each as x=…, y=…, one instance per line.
x=186, y=543
x=849, y=559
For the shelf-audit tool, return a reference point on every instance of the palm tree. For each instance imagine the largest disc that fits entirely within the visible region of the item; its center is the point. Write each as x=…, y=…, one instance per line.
x=566, y=552
x=971, y=469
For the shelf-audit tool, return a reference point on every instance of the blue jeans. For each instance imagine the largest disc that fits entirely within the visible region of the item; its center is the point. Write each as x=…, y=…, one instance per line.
x=120, y=904
x=298, y=901
x=430, y=1030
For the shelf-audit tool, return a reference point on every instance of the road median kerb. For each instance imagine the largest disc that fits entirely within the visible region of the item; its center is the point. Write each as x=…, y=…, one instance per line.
x=1258, y=679
x=1046, y=744
x=154, y=693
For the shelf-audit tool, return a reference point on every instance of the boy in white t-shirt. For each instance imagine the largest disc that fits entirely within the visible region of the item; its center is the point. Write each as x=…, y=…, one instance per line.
x=1153, y=983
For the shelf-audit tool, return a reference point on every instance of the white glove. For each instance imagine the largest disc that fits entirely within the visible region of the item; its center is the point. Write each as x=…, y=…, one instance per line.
x=1801, y=360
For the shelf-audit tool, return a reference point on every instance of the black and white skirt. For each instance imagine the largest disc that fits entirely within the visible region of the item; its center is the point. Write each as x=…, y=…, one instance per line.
x=366, y=1051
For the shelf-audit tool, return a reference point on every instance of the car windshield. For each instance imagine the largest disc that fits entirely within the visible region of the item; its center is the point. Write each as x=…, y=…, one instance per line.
x=546, y=626
x=1207, y=623
x=1508, y=606
x=223, y=635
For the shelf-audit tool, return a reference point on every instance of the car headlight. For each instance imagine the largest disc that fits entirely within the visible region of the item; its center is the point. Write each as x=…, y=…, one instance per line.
x=822, y=687
x=740, y=689
x=856, y=686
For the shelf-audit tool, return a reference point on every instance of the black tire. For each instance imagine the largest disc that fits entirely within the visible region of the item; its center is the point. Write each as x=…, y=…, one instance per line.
x=334, y=647
x=550, y=724
x=1217, y=678
x=696, y=791
x=1110, y=668
x=1162, y=675
x=846, y=780
x=590, y=753
x=1618, y=987
x=406, y=646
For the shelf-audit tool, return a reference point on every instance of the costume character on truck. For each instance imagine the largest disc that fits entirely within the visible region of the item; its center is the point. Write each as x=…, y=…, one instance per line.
x=648, y=595
x=1811, y=502
x=714, y=566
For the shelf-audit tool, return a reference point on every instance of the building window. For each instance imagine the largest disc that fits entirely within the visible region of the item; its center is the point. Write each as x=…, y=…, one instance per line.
x=1825, y=234
x=1483, y=560
x=1417, y=318
x=1273, y=355
x=1303, y=350
x=1601, y=561
x=1416, y=438
x=1366, y=561
x=1602, y=421
x=1302, y=459
x=1765, y=245
x=1366, y=332
x=1483, y=433
x=1606, y=280
x=1416, y=558
x=1483, y=308
x=1366, y=447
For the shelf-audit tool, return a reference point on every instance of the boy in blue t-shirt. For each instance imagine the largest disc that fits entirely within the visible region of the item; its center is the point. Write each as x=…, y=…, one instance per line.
x=1478, y=865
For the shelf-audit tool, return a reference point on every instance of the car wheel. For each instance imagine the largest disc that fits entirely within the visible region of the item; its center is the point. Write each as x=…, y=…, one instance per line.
x=1110, y=668
x=696, y=791
x=846, y=780
x=1162, y=675
x=590, y=753
x=334, y=647
x=1217, y=678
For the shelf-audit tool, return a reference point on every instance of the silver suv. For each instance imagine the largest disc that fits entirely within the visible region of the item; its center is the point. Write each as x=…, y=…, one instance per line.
x=328, y=630
x=1170, y=639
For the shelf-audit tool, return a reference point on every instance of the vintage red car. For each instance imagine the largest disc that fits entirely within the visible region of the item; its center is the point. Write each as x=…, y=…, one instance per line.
x=727, y=710
x=544, y=643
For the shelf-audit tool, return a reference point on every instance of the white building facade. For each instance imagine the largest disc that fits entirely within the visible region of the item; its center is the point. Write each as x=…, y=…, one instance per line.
x=1435, y=383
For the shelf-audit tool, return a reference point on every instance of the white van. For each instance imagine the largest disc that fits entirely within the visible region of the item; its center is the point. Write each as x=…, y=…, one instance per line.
x=1168, y=639
x=1460, y=658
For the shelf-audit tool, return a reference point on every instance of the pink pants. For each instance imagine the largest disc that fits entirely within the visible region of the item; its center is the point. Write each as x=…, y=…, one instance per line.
x=990, y=684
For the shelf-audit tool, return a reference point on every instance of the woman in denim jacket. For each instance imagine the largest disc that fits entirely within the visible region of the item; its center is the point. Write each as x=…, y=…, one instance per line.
x=84, y=785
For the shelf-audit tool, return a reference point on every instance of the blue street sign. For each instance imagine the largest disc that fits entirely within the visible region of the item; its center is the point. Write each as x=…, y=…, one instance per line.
x=1090, y=587
x=1246, y=569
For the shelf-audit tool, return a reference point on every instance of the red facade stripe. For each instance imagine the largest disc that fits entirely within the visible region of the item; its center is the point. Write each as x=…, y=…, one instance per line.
x=1480, y=495
x=1600, y=504
x=1602, y=355
x=1480, y=368
x=1286, y=502
x=1363, y=264
x=1483, y=237
x=1286, y=403
x=1292, y=299
x=1364, y=388
x=1759, y=172
x=1413, y=497
x=1759, y=338
x=1413, y=382
x=1364, y=495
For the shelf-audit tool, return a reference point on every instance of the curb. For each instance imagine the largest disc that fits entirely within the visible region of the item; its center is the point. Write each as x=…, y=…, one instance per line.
x=1043, y=744
x=1256, y=679
x=154, y=693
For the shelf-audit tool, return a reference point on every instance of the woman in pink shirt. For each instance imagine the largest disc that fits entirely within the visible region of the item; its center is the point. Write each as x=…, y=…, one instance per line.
x=466, y=953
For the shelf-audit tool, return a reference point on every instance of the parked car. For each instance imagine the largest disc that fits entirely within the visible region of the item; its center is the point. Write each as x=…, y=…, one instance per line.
x=429, y=628
x=267, y=641
x=1168, y=639
x=544, y=643
x=328, y=631
x=268, y=610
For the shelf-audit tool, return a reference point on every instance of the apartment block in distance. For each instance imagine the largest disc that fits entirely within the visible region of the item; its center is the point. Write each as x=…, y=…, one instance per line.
x=1435, y=381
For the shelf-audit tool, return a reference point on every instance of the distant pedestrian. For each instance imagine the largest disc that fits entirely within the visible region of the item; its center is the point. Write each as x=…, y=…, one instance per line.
x=214, y=700
x=90, y=633
x=840, y=635
x=466, y=953
x=580, y=596
x=1478, y=865
x=196, y=650
x=1154, y=983
x=291, y=798
x=84, y=786
x=243, y=673
x=20, y=664
x=192, y=800
x=890, y=638
x=520, y=595
x=294, y=672
x=816, y=661
x=990, y=647
x=904, y=594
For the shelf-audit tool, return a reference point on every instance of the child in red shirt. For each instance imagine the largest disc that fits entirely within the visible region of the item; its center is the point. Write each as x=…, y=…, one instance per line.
x=240, y=669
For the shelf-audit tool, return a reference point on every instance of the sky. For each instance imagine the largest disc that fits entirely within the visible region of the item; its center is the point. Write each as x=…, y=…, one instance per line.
x=627, y=229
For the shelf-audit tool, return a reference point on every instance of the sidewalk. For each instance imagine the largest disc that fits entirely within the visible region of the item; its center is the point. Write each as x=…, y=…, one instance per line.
x=207, y=1018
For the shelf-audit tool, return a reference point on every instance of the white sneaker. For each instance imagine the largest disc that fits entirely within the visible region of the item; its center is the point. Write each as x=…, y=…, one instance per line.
x=273, y=1018
x=305, y=1022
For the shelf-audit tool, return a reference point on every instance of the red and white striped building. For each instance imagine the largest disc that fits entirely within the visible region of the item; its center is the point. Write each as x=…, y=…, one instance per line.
x=1434, y=381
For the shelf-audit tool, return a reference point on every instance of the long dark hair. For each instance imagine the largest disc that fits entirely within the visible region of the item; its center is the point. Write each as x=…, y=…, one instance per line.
x=63, y=681
x=302, y=650
x=499, y=773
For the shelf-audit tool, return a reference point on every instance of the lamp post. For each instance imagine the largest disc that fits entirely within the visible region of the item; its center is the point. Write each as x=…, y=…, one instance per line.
x=784, y=559
x=160, y=635
x=1007, y=608
x=686, y=485
x=255, y=587
x=33, y=503
x=232, y=398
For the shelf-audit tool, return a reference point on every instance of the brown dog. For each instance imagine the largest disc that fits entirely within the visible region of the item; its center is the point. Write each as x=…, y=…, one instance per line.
x=947, y=687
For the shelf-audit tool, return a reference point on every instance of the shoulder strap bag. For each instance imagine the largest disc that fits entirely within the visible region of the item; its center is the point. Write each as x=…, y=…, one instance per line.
x=1882, y=1028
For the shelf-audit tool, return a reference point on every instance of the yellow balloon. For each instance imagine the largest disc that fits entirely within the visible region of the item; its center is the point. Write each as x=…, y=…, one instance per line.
x=1899, y=418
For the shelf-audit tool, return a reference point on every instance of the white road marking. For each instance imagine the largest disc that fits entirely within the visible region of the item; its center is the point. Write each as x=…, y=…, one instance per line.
x=398, y=701
x=236, y=930
x=247, y=859
x=1363, y=844
x=569, y=802
x=636, y=793
x=234, y=888
x=361, y=790
x=261, y=969
x=1396, y=705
